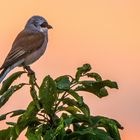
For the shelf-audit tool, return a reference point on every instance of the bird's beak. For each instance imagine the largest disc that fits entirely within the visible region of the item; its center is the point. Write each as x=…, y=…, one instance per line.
x=49, y=26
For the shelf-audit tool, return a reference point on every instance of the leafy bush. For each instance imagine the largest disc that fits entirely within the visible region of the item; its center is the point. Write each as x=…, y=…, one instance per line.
x=57, y=111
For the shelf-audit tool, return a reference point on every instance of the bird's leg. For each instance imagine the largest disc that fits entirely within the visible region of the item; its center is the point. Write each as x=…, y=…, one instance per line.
x=31, y=74
x=29, y=70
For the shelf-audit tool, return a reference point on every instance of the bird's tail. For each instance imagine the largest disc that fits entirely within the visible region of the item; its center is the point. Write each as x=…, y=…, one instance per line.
x=5, y=71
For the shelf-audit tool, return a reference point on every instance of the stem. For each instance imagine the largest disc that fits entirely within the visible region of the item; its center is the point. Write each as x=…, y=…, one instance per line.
x=43, y=115
x=72, y=79
x=64, y=95
x=32, y=82
x=75, y=84
x=31, y=75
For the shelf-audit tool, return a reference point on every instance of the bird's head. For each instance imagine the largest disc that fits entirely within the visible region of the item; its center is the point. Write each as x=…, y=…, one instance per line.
x=39, y=23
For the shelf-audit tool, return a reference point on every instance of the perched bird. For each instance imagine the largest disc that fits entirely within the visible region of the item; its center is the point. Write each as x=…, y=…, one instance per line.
x=29, y=45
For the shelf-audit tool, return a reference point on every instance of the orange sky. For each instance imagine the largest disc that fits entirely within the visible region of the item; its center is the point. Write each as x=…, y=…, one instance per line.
x=103, y=33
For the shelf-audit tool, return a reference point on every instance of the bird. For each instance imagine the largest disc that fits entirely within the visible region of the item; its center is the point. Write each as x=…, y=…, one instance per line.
x=29, y=45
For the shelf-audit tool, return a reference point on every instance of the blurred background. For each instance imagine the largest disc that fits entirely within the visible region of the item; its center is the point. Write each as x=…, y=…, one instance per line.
x=105, y=34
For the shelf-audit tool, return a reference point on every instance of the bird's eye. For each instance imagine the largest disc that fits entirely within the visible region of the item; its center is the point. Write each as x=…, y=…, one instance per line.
x=44, y=24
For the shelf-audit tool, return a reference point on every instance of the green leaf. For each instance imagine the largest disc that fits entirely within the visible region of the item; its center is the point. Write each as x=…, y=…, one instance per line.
x=70, y=109
x=76, y=96
x=103, y=92
x=89, y=134
x=67, y=119
x=48, y=94
x=81, y=105
x=63, y=83
x=60, y=129
x=111, y=128
x=49, y=135
x=28, y=118
x=7, y=83
x=31, y=134
x=110, y=84
x=17, y=112
x=94, y=75
x=82, y=70
x=3, y=116
x=85, y=109
x=8, y=134
x=110, y=125
x=56, y=133
x=118, y=124
x=100, y=134
x=5, y=134
x=14, y=113
x=76, y=119
x=11, y=123
x=33, y=93
x=5, y=97
x=71, y=102
x=96, y=87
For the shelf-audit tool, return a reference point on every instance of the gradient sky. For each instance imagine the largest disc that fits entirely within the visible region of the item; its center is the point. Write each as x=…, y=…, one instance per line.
x=105, y=34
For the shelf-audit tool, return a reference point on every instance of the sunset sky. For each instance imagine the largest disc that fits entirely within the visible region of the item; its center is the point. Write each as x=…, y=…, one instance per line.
x=104, y=33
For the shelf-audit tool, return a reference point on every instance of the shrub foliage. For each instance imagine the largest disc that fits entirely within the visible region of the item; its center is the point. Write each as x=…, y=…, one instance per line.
x=57, y=111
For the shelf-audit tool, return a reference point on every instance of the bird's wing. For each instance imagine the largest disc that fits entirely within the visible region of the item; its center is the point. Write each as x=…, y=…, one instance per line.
x=24, y=44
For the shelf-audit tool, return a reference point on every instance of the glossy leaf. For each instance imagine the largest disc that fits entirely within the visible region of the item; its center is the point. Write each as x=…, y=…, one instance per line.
x=32, y=135
x=80, y=118
x=81, y=105
x=63, y=83
x=89, y=134
x=49, y=135
x=82, y=70
x=3, y=116
x=28, y=117
x=70, y=109
x=76, y=96
x=48, y=94
x=5, y=134
x=102, y=92
x=67, y=119
x=8, y=134
x=85, y=109
x=7, y=83
x=5, y=97
x=97, y=88
x=110, y=125
x=94, y=75
x=118, y=124
x=111, y=128
x=60, y=129
x=33, y=93
x=11, y=123
x=75, y=119
x=14, y=113
x=17, y=112
x=56, y=133
x=71, y=102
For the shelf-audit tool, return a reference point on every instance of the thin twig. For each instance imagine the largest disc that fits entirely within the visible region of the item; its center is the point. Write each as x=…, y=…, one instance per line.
x=31, y=74
x=63, y=96
x=43, y=115
x=36, y=84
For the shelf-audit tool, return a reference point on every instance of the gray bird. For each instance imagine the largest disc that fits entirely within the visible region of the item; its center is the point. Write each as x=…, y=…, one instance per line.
x=29, y=45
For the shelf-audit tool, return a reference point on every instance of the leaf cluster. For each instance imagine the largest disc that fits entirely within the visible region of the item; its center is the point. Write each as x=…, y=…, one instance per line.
x=57, y=111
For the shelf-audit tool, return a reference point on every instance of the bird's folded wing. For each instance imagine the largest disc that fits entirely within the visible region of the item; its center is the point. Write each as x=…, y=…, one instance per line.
x=24, y=44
